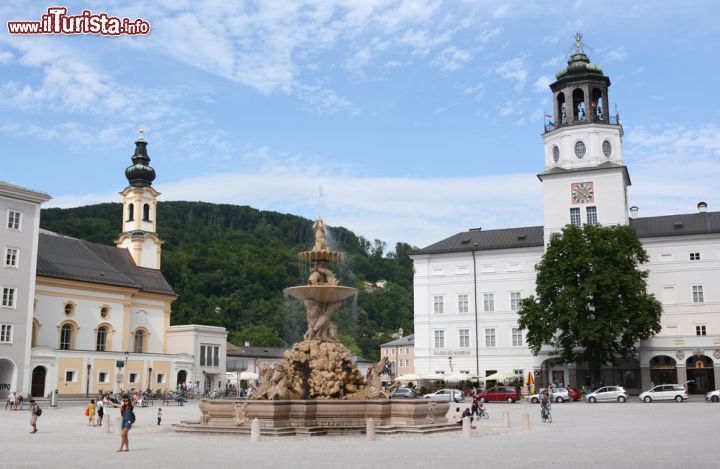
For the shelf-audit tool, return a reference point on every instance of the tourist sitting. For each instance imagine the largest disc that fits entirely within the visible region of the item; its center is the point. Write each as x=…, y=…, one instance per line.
x=457, y=417
x=179, y=399
x=18, y=402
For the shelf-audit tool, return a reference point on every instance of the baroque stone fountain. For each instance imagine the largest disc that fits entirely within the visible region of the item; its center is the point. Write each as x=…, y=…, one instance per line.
x=317, y=388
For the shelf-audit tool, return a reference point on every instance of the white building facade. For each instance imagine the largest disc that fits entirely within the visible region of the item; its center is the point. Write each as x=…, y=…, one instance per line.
x=467, y=287
x=20, y=217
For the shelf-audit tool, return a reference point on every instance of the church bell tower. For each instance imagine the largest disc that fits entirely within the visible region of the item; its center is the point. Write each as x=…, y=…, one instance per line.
x=584, y=179
x=139, y=215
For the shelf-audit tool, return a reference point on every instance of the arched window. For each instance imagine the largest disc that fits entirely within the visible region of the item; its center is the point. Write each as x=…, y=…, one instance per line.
x=69, y=308
x=139, y=344
x=579, y=110
x=596, y=102
x=146, y=212
x=131, y=212
x=66, y=336
x=102, y=334
x=561, y=114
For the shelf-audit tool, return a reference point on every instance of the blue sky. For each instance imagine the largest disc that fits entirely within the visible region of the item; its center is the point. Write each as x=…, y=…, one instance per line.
x=419, y=119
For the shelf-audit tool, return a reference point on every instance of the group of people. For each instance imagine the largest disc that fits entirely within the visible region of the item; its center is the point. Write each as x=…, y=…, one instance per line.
x=14, y=401
x=476, y=411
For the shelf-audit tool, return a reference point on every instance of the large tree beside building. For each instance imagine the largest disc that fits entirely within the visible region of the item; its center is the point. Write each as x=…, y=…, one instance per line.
x=591, y=303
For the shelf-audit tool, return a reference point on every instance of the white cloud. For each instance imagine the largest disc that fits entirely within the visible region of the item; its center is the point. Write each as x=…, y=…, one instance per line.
x=452, y=58
x=542, y=83
x=6, y=56
x=556, y=61
x=514, y=70
x=616, y=54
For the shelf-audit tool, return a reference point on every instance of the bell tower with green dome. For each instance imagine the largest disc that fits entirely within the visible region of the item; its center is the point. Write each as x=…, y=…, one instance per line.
x=584, y=177
x=139, y=214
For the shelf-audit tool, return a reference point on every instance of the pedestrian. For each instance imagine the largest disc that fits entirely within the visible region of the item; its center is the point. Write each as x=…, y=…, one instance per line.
x=35, y=412
x=159, y=415
x=91, y=413
x=458, y=416
x=128, y=419
x=100, y=410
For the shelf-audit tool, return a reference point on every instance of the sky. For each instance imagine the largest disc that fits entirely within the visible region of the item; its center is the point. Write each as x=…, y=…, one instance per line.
x=400, y=120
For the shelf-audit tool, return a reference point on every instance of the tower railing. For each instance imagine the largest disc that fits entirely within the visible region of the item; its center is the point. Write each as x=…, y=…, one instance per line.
x=599, y=118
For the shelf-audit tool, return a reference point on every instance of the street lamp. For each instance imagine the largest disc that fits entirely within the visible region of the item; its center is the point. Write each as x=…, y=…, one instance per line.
x=127, y=354
x=87, y=387
x=149, y=378
x=450, y=361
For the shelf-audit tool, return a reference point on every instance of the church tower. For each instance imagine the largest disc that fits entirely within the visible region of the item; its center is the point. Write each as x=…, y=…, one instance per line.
x=139, y=214
x=585, y=179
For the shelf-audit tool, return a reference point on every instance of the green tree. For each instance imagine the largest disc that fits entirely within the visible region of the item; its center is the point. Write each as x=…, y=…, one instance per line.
x=258, y=335
x=592, y=302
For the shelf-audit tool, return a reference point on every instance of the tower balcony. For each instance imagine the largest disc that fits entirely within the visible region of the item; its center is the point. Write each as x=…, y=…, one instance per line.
x=586, y=119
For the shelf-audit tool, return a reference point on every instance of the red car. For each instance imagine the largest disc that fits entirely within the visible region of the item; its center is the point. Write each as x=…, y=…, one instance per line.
x=574, y=393
x=509, y=394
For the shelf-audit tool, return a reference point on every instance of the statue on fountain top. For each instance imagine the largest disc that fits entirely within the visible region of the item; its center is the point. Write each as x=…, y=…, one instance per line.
x=320, y=241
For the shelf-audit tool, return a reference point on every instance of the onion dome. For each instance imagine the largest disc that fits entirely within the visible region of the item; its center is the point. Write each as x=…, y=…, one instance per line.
x=140, y=173
x=579, y=63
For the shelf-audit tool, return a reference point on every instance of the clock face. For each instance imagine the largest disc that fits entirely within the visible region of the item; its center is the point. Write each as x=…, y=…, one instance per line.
x=582, y=192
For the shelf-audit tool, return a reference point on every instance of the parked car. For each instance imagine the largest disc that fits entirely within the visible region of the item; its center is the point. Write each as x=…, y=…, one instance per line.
x=665, y=392
x=557, y=395
x=713, y=396
x=500, y=393
x=574, y=393
x=447, y=394
x=607, y=394
x=405, y=393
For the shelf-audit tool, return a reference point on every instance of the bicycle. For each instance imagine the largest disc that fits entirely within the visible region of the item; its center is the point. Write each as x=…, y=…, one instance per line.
x=483, y=414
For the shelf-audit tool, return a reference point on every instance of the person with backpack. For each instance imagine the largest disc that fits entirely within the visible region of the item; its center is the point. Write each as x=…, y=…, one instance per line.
x=35, y=412
x=128, y=419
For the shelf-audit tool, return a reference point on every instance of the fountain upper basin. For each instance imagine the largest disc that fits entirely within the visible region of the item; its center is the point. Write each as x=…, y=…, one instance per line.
x=321, y=293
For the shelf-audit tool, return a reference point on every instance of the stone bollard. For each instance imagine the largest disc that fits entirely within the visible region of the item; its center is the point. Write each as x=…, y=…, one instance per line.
x=526, y=423
x=255, y=430
x=370, y=430
x=467, y=429
x=106, y=423
x=506, y=421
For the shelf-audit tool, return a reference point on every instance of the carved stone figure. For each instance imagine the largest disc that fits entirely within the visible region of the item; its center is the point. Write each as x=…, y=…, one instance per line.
x=240, y=411
x=432, y=409
x=320, y=242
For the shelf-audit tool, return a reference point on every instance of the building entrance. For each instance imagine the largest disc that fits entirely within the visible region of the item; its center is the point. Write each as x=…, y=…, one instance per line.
x=8, y=376
x=38, y=382
x=700, y=374
x=663, y=370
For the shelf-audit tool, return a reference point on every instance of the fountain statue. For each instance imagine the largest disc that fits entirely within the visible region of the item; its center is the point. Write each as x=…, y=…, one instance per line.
x=317, y=388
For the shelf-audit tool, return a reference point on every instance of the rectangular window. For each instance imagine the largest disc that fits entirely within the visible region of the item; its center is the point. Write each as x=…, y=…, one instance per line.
x=6, y=333
x=462, y=270
x=489, y=301
x=13, y=221
x=517, y=338
x=489, y=337
x=11, y=257
x=216, y=356
x=575, y=216
x=70, y=376
x=8, y=297
x=103, y=377
x=666, y=257
x=439, y=339
x=464, y=338
x=438, y=304
x=209, y=355
x=202, y=355
x=591, y=215
x=133, y=378
x=488, y=268
x=462, y=303
x=518, y=373
x=697, y=294
x=407, y=350
x=515, y=301
x=694, y=256
x=700, y=330
x=160, y=378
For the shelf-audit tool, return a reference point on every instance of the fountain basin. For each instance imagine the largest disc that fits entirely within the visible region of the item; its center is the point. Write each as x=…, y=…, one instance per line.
x=321, y=293
x=320, y=256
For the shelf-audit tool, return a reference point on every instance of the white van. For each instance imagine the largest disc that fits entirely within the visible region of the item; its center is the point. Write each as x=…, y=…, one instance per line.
x=665, y=392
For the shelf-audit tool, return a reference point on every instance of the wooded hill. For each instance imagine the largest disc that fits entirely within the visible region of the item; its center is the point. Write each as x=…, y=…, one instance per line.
x=230, y=264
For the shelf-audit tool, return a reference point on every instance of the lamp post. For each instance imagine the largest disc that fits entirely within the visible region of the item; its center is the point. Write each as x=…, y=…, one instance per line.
x=149, y=378
x=127, y=354
x=450, y=362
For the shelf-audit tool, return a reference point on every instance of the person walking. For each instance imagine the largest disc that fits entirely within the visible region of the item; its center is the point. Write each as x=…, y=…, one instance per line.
x=100, y=411
x=128, y=418
x=35, y=412
x=91, y=413
x=159, y=415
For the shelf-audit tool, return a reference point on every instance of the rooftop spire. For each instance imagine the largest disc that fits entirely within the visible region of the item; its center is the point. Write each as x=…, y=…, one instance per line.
x=140, y=173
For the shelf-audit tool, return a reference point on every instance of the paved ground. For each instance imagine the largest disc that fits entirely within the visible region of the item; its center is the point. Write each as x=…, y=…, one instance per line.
x=632, y=435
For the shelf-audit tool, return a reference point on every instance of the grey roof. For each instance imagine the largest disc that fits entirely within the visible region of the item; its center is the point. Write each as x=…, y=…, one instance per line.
x=74, y=259
x=677, y=225
x=606, y=165
x=480, y=240
x=406, y=341
x=258, y=352
x=532, y=236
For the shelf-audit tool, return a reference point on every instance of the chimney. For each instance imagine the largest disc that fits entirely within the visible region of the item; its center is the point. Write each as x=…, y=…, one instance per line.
x=702, y=207
x=634, y=212
x=400, y=332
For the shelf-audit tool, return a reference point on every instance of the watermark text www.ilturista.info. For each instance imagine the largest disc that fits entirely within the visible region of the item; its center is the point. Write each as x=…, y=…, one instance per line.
x=57, y=21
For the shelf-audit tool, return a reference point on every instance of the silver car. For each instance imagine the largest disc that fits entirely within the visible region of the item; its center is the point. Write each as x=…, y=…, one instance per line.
x=447, y=395
x=607, y=394
x=713, y=396
x=557, y=395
